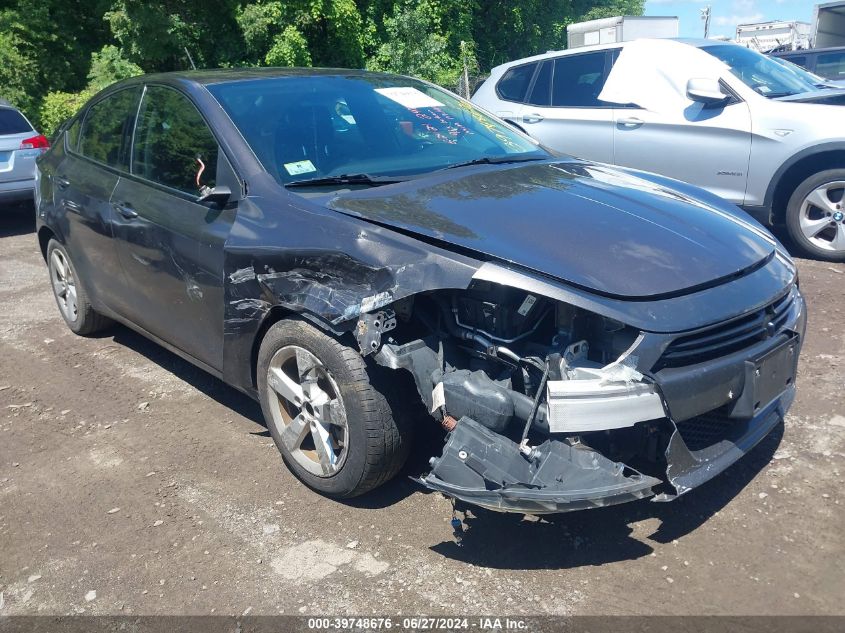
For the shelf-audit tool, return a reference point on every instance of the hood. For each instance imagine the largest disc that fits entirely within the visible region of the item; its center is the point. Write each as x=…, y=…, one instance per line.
x=590, y=225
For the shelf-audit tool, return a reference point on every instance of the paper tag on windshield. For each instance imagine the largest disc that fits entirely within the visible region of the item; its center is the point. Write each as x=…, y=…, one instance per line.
x=411, y=98
x=300, y=167
x=526, y=306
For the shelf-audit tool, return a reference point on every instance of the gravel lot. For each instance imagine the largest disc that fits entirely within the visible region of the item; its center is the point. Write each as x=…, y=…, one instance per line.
x=133, y=483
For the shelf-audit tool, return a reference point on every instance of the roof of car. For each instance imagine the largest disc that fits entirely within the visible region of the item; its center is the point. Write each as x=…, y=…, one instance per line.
x=223, y=75
x=691, y=41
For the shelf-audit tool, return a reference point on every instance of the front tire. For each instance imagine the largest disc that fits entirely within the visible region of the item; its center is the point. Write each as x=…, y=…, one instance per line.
x=335, y=430
x=70, y=295
x=815, y=216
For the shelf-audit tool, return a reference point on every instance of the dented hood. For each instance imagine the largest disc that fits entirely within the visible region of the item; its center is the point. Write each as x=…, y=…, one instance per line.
x=589, y=225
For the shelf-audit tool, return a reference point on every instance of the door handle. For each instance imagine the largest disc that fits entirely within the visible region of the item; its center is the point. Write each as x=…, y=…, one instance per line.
x=62, y=182
x=532, y=118
x=630, y=121
x=125, y=210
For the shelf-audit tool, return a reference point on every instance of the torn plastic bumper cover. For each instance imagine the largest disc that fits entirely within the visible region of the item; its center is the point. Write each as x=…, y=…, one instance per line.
x=484, y=468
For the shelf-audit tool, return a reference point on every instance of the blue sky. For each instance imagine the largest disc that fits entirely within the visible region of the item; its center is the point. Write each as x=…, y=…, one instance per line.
x=728, y=13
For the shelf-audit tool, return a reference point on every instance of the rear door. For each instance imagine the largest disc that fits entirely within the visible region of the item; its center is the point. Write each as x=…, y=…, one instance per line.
x=562, y=109
x=171, y=246
x=511, y=90
x=94, y=154
x=17, y=166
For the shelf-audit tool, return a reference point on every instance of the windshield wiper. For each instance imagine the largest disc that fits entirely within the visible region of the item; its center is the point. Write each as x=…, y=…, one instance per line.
x=496, y=160
x=345, y=179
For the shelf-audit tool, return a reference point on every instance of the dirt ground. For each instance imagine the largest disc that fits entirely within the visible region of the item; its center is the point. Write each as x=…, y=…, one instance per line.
x=133, y=483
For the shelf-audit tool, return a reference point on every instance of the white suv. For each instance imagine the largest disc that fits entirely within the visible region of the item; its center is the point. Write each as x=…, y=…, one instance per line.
x=715, y=114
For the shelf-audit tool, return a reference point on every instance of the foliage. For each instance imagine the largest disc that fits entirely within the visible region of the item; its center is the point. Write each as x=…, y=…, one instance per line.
x=290, y=48
x=109, y=65
x=53, y=51
x=59, y=106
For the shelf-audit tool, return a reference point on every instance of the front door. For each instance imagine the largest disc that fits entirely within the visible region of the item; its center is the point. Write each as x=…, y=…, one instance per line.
x=171, y=246
x=707, y=147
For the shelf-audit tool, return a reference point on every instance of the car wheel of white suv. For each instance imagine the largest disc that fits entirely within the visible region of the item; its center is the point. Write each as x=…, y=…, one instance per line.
x=815, y=215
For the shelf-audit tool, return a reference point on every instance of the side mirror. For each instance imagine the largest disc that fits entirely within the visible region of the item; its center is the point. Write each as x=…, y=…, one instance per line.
x=707, y=91
x=215, y=195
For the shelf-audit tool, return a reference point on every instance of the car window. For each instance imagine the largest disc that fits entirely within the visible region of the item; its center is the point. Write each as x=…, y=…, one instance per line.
x=541, y=93
x=514, y=84
x=831, y=65
x=13, y=122
x=578, y=80
x=173, y=145
x=107, y=128
x=800, y=60
x=73, y=134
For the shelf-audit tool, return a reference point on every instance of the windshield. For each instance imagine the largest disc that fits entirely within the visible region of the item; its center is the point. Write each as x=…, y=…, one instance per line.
x=303, y=128
x=761, y=73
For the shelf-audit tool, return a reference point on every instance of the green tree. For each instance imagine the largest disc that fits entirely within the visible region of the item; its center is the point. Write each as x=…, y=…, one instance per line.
x=415, y=47
x=289, y=49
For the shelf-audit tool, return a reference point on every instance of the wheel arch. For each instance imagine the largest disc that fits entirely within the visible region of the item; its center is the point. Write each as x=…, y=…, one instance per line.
x=279, y=313
x=45, y=234
x=797, y=169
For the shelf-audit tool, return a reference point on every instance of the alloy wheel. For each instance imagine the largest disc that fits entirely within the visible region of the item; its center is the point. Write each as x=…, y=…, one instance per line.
x=307, y=410
x=64, y=285
x=822, y=217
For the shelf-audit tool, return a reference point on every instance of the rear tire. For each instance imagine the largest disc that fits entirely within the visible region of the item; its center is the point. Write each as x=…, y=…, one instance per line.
x=815, y=216
x=70, y=295
x=335, y=430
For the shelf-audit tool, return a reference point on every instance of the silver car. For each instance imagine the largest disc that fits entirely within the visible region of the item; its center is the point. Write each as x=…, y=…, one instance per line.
x=711, y=113
x=20, y=145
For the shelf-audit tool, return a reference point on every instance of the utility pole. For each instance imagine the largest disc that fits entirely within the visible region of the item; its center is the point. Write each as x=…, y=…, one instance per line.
x=705, y=16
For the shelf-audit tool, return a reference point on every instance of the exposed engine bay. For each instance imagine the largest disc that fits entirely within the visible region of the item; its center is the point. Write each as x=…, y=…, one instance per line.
x=548, y=407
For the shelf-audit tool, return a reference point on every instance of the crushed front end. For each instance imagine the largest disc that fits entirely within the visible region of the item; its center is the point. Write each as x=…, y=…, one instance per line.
x=551, y=407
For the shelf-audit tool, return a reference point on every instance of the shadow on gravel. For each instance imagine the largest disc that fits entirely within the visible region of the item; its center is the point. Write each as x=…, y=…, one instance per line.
x=17, y=220
x=604, y=535
x=194, y=376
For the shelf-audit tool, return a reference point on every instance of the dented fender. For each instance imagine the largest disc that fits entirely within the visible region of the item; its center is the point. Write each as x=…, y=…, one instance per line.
x=323, y=267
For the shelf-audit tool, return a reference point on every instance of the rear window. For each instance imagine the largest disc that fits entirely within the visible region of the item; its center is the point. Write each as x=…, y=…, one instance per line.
x=514, y=84
x=12, y=122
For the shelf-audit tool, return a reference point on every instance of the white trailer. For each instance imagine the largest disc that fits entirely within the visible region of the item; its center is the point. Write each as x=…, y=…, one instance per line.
x=622, y=28
x=774, y=35
x=829, y=24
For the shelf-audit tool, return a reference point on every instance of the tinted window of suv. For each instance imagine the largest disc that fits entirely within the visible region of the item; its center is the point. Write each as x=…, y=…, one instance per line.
x=12, y=122
x=831, y=65
x=541, y=93
x=578, y=80
x=173, y=145
x=107, y=128
x=514, y=84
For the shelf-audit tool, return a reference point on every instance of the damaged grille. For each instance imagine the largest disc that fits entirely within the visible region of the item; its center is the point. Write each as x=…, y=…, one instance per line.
x=705, y=430
x=729, y=336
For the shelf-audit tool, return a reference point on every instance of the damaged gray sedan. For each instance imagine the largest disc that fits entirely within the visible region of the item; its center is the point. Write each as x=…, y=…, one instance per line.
x=335, y=242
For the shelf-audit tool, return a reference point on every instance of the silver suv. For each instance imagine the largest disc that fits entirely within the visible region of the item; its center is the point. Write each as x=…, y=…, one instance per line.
x=20, y=145
x=764, y=136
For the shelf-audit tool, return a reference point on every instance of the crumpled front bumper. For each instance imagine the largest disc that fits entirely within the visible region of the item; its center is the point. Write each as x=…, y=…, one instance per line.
x=481, y=467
